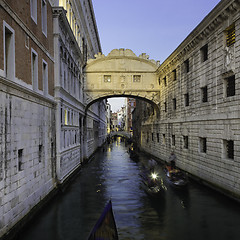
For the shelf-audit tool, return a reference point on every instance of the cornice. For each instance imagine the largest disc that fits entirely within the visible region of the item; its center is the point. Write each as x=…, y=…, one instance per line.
x=60, y=13
x=212, y=21
x=17, y=90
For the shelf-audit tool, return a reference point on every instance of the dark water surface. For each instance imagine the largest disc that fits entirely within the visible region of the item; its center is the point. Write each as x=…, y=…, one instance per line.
x=194, y=214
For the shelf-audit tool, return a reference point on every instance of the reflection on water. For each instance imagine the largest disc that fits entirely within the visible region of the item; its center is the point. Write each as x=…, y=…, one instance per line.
x=195, y=213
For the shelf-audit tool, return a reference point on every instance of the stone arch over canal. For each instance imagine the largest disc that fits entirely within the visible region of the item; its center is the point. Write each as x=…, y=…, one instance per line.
x=122, y=74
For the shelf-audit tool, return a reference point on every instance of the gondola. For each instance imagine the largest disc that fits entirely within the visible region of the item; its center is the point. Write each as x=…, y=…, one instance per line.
x=153, y=185
x=105, y=228
x=176, y=177
x=133, y=154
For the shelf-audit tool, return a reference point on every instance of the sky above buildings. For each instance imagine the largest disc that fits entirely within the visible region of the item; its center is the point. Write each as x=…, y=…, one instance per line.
x=154, y=27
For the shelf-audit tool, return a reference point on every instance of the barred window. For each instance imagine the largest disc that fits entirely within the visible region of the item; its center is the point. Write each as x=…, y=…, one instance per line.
x=164, y=139
x=174, y=104
x=185, y=142
x=136, y=78
x=174, y=74
x=165, y=106
x=230, y=86
x=186, y=66
x=203, y=145
x=107, y=78
x=204, y=94
x=173, y=140
x=204, y=53
x=230, y=38
x=165, y=81
x=186, y=99
x=20, y=159
x=229, y=148
x=40, y=153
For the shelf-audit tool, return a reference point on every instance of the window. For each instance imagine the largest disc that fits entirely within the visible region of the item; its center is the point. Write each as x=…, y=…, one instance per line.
x=165, y=106
x=202, y=145
x=157, y=137
x=165, y=81
x=228, y=149
x=33, y=6
x=45, y=77
x=204, y=94
x=152, y=137
x=9, y=51
x=20, y=159
x=230, y=35
x=173, y=140
x=107, y=78
x=186, y=66
x=159, y=81
x=136, y=78
x=204, y=53
x=230, y=86
x=186, y=100
x=164, y=139
x=185, y=142
x=66, y=117
x=174, y=74
x=44, y=17
x=174, y=104
x=34, y=70
x=40, y=152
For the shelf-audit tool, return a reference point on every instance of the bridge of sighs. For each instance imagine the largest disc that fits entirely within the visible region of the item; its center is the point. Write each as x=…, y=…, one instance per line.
x=122, y=74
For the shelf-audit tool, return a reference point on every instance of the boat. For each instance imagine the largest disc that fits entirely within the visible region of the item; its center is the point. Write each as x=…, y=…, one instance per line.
x=153, y=185
x=105, y=228
x=176, y=177
x=133, y=154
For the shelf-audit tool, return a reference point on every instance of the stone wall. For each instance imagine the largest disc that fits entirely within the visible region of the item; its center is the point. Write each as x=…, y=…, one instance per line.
x=199, y=107
x=27, y=152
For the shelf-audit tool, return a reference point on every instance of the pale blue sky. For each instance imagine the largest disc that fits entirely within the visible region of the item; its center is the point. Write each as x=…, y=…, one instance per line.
x=154, y=27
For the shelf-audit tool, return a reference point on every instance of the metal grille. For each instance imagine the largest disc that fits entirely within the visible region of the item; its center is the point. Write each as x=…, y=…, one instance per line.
x=136, y=78
x=230, y=149
x=231, y=35
x=107, y=78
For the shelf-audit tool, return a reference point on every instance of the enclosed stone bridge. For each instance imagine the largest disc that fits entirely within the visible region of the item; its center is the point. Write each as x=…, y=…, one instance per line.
x=121, y=74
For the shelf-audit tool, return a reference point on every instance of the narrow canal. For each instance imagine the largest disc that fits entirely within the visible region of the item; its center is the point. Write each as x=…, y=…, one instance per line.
x=194, y=214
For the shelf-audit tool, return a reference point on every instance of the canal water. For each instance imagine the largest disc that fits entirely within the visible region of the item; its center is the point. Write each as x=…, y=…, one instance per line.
x=197, y=213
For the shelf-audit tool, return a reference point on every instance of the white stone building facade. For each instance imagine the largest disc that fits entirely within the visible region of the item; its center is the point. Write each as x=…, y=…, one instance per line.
x=199, y=103
x=46, y=130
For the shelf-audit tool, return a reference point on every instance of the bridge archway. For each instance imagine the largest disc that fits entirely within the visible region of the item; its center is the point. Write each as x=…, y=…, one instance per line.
x=122, y=74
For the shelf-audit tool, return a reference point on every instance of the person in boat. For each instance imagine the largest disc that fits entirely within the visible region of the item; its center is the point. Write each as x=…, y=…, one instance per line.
x=172, y=160
x=152, y=164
